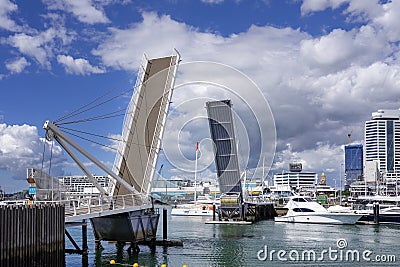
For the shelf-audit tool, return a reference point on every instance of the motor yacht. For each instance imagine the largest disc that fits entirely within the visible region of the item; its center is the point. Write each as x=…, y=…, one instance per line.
x=302, y=209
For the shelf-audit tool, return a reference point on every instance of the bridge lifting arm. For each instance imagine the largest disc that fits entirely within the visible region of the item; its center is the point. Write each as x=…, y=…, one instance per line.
x=52, y=131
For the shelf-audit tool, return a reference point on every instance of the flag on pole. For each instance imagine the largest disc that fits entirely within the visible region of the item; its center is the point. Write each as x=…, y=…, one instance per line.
x=197, y=146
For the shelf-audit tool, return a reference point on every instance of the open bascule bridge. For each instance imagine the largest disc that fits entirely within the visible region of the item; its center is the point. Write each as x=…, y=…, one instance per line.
x=124, y=212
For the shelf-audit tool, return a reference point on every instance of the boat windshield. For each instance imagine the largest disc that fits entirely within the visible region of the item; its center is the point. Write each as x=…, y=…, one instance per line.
x=302, y=199
x=302, y=210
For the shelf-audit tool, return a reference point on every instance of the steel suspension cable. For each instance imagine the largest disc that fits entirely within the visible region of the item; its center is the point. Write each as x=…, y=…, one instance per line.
x=97, y=135
x=87, y=107
x=92, y=119
x=94, y=142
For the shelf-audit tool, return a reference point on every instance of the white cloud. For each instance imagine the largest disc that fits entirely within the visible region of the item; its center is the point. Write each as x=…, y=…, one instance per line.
x=17, y=65
x=21, y=148
x=79, y=66
x=31, y=46
x=309, y=6
x=115, y=140
x=157, y=36
x=212, y=1
x=36, y=46
x=7, y=7
x=318, y=88
x=389, y=20
x=382, y=17
x=84, y=10
x=317, y=159
x=363, y=10
x=358, y=9
x=339, y=49
x=40, y=46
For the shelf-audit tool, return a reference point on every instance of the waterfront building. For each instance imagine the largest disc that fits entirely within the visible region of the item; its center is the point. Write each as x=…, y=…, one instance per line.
x=182, y=189
x=353, y=163
x=79, y=185
x=288, y=181
x=382, y=143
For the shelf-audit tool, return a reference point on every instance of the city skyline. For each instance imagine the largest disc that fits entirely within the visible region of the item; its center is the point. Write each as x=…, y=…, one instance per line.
x=323, y=67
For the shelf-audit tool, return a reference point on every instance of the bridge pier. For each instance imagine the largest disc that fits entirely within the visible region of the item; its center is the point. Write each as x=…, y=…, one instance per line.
x=84, y=251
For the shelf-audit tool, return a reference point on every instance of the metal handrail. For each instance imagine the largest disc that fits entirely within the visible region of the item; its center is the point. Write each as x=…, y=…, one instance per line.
x=79, y=206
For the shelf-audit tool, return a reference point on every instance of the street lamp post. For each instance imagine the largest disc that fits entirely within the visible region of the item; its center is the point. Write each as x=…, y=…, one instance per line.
x=335, y=190
x=340, y=181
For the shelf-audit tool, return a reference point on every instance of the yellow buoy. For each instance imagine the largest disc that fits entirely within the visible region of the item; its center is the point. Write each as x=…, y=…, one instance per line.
x=135, y=265
x=112, y=261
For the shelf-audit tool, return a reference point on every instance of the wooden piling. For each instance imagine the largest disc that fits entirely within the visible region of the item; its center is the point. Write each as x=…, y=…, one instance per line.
x=165, y=222
x=376, y=212
x=32, y=235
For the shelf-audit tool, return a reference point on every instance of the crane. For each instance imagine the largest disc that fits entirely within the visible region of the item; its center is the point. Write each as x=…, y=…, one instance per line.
x=349, y=136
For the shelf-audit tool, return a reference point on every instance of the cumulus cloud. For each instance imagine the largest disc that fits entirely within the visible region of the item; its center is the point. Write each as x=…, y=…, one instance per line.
x=38, y=46
x=340, y=49
x=7, y=7
x=382, y=17
x=309, y=6
x=312, y=159
x=389, y=20
x=78, y=66
x=31, y=46
x=17, y=65
x=319, y=88
x=21, y=147
x=84, y=10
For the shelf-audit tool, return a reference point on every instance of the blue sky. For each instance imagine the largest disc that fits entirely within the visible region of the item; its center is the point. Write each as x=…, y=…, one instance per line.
x=323, y=66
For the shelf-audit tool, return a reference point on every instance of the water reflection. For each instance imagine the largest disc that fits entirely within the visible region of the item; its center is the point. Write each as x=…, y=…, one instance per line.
x=237, y=245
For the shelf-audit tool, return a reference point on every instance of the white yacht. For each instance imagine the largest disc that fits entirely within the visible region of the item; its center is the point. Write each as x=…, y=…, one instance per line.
x=199, y=207
x=194, y=209
x=303, y=209
x=203, y=206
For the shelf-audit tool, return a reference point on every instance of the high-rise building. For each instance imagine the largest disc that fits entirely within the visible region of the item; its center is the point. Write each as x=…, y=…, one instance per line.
x=353, y=163
x=382, y=142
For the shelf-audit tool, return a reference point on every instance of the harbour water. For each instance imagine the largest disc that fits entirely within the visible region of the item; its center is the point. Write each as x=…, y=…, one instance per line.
x=264, y=243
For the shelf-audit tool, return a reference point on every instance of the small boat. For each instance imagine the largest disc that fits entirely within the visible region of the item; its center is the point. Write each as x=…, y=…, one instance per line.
x=200, y=206
x=203, y=206
x=193, y=209
x=387, y=215
x=303, y=209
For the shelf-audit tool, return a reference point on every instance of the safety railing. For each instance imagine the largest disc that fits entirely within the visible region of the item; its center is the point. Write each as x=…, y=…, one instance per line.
x=88, y=205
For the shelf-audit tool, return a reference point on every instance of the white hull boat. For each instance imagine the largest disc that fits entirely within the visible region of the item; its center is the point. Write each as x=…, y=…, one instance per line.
x=304, y=210
x=325, y=218
x=193, y=210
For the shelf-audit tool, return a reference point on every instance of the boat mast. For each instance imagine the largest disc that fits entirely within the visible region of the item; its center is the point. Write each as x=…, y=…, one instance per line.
x=195, y=172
